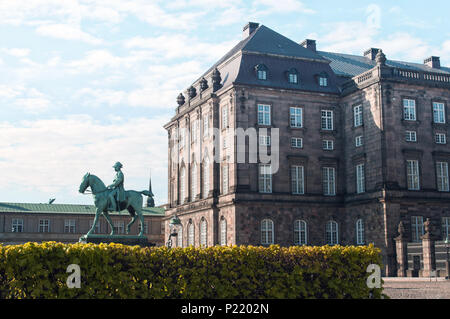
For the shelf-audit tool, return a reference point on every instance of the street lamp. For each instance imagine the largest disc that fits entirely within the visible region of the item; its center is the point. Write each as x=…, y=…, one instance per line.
x=447, y=262
x=174, y=225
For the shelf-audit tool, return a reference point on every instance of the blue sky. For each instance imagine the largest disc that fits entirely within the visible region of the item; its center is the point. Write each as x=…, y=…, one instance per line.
x=86, y=83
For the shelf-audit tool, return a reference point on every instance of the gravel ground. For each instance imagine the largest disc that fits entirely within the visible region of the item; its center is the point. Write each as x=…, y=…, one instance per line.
x=423, y=289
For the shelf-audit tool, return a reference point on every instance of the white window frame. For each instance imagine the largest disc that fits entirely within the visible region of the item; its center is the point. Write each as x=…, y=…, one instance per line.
x=182, y=185
x=413, y=175
x=409, y=110
x=119, y=226
x=323, y=81
x=328, y=145
x=265, y=178
x=225, y=117
x=223, y=232
x=191, y=234
x=445, y=228
x=296, y=117
x=411, y=136
x=44, y=226
x=327, y=123
x=296, y=142
x=264, y=140
x=267, y=233
x=180, y=236
x=300, y=233
x=97, y=227
x=262, y=75
x=205, y=126
x=358, y=116
x=205, y=174
x=293, y=78
x=359, y=141
x=264, y=116
x=332, y=233
x=329, y=181
x=298, y=180
x=17, y=225
x=442, y=177
x=225, y=179
x=360, y=179
x=438, y=112
x=203, y=233
x=440, y=138
x=360, y=233
x=194, y=181
x=69, y=226
x=417, y=228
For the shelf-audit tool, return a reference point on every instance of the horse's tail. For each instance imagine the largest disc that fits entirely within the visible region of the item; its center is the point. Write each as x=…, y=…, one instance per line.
x=147, y=193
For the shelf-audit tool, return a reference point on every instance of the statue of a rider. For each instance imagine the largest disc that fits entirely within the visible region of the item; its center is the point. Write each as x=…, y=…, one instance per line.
x=117, y=194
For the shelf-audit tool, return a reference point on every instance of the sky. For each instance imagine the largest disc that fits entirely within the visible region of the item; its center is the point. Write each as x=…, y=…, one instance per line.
x=86, y=83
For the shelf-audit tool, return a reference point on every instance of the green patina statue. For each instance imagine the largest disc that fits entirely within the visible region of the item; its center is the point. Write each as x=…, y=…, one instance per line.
x=114, y=198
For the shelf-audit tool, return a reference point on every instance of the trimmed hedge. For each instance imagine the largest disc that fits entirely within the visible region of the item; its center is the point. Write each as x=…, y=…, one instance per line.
x=117, y=271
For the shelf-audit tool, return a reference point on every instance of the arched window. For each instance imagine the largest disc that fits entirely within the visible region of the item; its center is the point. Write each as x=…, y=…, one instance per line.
x=223, y=231
x=261, y=72
x=191, y=237
x=205, y=178
x=360, y=232
x=332, y=233
x=292, y=76
x=180, y=236
x=182, y=185
x=267, y=232
x=300, y=232
x=194, y=181
x=203, y=233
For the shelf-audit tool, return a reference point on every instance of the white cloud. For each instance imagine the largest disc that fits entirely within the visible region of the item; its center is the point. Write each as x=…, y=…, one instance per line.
x=67, y=32
x=281, y=6
x=17, y=52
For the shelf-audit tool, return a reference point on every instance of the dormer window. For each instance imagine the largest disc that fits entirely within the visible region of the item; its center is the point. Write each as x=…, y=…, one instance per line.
x=261, y=72
x=293, y=76
x=323, y=79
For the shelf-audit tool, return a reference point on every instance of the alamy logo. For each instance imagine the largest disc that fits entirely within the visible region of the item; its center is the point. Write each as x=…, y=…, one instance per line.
x=374, y=280
x=74, y=279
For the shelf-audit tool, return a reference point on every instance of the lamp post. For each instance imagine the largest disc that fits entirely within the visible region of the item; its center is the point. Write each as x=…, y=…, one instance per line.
x=447, y=262
x=174, y=224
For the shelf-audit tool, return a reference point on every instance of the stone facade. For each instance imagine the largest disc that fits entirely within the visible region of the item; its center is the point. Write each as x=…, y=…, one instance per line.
x=383, y=199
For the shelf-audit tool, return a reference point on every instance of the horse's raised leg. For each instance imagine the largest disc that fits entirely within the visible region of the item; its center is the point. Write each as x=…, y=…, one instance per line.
x=97, y=214
x=108, y=219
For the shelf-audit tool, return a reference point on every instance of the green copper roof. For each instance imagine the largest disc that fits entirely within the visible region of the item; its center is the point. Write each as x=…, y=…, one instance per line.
x=66, y=208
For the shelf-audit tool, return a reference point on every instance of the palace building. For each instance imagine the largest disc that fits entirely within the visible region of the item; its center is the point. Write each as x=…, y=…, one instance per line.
x=360, y=144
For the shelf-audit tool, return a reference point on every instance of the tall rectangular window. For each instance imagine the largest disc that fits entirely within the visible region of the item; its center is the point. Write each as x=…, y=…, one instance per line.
x=327, y=145
x=17, y=225
x=360, y=179
x=296, y=117
x=97, y=226
x=224, y=117
x=263, y=114
x=445, y=228
x=438, y=113
x=327, y=120
x=328, y=180
x=442, y=176
x=264, y=140
x=412, y=170
x=194, y=131
x=69, y=226
x=411, y=136
x=323, y=81
x=119, y=227
x=205, y=126
x=359, y=141
x=225, y=179
x=297, y=178
x=358, y=115
x=440, y=138
x=417, y=229
x=44, y=226
x=409, y=110
x=297, y=142
x=265, y=178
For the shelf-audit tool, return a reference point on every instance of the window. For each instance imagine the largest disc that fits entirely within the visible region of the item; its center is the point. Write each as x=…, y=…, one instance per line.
x=441, y=138
x=203, y=233
x=69, y=226
x=191, y=234
x=263, y=114
x=438, y=113
x=300, y=233
x=328, y=177
x=224, y=117
x=44, y=226
x=180, y=236
x=194, y=131
x=97, y=227
x=358, y=115
x=332, y=235
x=182, y=137
x=360, y=179
x=265, y=178
x=327, y=120
x=417, y=229
x=445, y=228
x=442, y=176
x=409, y=110
x=359, y=141
x=223, y=232
x=205, y=126
x=297, y=178
x=323, y=79
x=145, y=227
x=182, y=185
x=412, y=168
x=261, y=72
x=17, y=225
x=194, y=181
x=328, y=145
x=267, y=232
x=224, y=142
x=119, y=227
x=411, y=136
x=297, y=142
x=264, y=140
x=296, y=117
x=225, y=179
x=293, y=76
x=359, y=232
x=205, y=178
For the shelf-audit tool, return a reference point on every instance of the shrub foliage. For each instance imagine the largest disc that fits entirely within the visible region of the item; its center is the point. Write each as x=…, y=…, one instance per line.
x=117, y=271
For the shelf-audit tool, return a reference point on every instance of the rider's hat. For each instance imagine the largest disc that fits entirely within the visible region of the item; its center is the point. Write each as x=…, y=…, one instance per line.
x=118, y=164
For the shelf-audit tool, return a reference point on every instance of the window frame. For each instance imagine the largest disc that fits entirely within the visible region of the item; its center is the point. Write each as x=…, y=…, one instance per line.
x=296, y=117
x=442, y=180
x=16, y=223
x=360, y=178
x=436, y=103
x=327, y=182
x=360, y=232
x=266, y=230
x=327, y=120
x=413, y=173
x=413, y=107
x=300, y=226
x=264, y=114
x=265, y=179
x=298, y=180
x=358, y=120
x=332, y=233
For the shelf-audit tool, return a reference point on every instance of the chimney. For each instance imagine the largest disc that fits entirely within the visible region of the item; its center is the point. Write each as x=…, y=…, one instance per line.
x=433, y=62
x=371, y=53
x=309, y=44
x=249, y=28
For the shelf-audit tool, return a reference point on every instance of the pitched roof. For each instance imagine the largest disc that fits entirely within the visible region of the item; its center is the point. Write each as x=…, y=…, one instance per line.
x=352, y=65
x=65, y=208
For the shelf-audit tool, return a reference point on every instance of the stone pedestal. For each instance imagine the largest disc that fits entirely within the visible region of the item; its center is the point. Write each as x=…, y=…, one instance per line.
x=402, y=256
x=429, y=259
x=118, y=239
